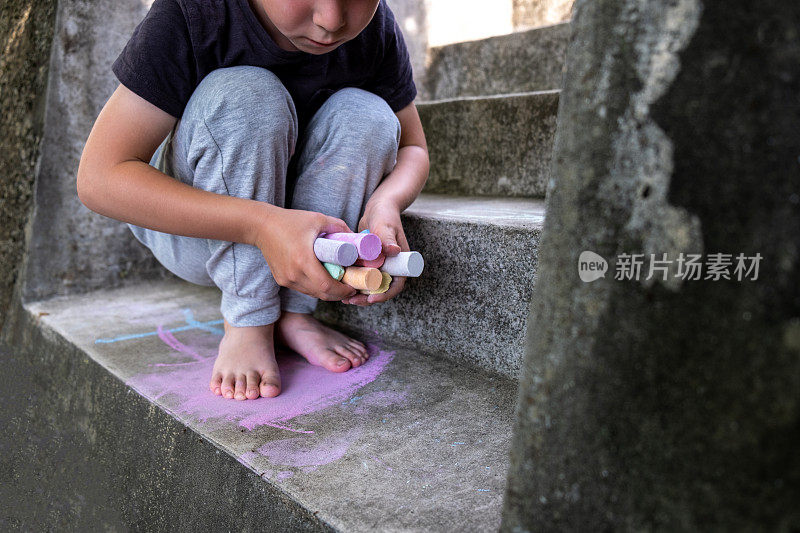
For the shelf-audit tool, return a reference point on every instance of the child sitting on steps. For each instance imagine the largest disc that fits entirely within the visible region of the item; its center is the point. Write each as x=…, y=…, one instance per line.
x=265, y=123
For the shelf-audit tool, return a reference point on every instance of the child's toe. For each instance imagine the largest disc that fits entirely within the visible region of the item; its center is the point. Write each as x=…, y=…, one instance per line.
x=216, y=384
x=269, y=390
x=333, y=361
x=227, y=386
x=350, y=354
x=357, y=347
x=241, y=387
x=252, y=385
x=270, y=385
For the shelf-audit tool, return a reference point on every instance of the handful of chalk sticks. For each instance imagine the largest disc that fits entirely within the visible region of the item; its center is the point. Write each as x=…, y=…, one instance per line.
x=356, y=259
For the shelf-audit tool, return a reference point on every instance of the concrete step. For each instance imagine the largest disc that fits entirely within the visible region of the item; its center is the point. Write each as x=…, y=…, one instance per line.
x=471, y=302
x=491, y=146
x=536, y=13
x=405, y=442
x=531, y=60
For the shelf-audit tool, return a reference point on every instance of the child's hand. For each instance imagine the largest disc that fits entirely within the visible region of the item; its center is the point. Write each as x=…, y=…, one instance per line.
x=383, y=219
x=287, y=242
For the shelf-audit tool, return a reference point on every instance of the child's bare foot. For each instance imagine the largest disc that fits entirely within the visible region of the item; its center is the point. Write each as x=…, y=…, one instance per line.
x=245, y=367
x=319, y=344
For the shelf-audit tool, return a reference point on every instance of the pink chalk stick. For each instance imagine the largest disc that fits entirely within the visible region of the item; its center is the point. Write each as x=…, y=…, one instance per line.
x=375, y=263
x=368, y=244
x=337, y=252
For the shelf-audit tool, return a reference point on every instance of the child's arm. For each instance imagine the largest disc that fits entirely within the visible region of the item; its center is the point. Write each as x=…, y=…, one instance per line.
x=115, y=180
x=396, y=192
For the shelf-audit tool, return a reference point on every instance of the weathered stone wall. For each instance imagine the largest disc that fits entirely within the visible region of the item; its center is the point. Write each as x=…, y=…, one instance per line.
x=26, y=32
x=412, y=17
x=532, y=13
x=72, y=249
x=668, y=405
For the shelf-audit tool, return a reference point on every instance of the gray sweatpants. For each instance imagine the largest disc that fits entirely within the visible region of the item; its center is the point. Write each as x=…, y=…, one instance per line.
x=236, y=137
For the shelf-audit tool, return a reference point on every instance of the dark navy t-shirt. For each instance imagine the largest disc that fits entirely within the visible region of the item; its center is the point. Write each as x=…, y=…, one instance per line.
x=180, y=41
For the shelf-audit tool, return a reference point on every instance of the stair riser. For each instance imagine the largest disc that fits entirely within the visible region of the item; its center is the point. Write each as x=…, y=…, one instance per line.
x=491, y=147
x=471, y=302
x=526, y=61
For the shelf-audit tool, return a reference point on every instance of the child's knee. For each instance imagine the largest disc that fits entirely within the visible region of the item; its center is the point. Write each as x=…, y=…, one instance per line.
x=244, y=95
x=367, y=118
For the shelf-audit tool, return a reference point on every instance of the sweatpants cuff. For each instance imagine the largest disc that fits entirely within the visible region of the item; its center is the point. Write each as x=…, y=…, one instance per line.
x=244, y=312
x=297, y=302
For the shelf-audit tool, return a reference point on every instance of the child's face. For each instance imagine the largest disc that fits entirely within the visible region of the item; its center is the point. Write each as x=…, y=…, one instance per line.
x=314, y=26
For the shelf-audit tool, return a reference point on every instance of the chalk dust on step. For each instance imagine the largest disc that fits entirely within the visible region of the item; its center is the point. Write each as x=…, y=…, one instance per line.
x=306, y=388
x=179, y=381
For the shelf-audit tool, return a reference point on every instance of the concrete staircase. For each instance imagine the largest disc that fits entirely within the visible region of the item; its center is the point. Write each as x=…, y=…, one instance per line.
x=479, y=218
x=418, y=438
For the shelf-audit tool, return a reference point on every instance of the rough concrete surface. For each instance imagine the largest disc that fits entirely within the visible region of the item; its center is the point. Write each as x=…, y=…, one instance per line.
x=470, y=302
x=498, y=65
x=497, y=146
x=668, y=405
x=412, y=17
x=80, y=451
x=529, y=13
x=92, y=251
x=26, y=32
x=119, y=382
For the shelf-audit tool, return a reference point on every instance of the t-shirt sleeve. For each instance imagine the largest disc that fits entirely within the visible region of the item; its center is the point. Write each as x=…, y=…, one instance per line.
x=158, y=62
x=394, y=80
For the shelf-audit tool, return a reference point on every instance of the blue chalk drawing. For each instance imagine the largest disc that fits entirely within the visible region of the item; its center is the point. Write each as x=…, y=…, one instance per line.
x=207, y=326
x=354, y=399
x=191, y=324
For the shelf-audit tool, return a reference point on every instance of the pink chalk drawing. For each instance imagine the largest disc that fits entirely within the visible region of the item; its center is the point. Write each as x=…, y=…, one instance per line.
x=305, y=388
x=170, y=340
x=182, y=380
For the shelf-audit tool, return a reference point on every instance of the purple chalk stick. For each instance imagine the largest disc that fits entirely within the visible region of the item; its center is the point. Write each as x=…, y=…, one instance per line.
x=368, y=244
x=336, y=252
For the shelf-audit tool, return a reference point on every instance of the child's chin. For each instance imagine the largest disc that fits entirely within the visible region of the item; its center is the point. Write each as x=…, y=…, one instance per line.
x=316, y=50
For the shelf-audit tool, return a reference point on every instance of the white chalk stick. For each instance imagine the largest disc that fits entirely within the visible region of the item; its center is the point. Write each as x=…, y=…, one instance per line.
x=404, y=264
x=337, y=252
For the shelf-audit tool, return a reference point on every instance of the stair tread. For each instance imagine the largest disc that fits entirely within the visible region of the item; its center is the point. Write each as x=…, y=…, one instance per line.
x=483, y=97
x=508, y=212
x=407, y=441
x=507, y=37
x=527, y=60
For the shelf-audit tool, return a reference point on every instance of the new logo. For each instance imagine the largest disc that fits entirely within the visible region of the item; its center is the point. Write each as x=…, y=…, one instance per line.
x=591, y=266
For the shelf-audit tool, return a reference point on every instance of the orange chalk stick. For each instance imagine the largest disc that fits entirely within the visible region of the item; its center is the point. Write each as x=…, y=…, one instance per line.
x=362, y=278
x=385, y=282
